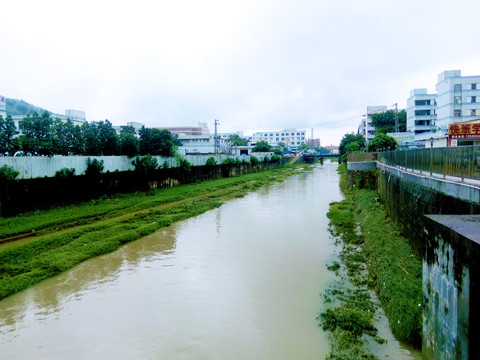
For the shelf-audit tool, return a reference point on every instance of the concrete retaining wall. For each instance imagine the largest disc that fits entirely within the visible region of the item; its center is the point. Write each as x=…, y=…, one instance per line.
x=447, y=271
x=31, y=167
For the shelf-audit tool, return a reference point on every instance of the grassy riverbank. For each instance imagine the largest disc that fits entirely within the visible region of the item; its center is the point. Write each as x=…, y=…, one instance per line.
x=374, y=256
x=63, y=237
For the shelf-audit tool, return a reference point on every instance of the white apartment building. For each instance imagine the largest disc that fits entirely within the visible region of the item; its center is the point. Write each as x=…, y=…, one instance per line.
x=458, y=98
x=366, y=128
x=421, y=111
x=3, y=106
x=293, y=138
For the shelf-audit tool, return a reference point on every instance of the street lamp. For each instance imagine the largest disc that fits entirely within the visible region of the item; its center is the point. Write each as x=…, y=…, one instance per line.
x=431, y=142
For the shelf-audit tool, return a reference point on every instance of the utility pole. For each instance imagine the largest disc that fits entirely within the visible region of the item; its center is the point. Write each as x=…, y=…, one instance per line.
x=215, y=139
x=311, y=138
x=397, y=128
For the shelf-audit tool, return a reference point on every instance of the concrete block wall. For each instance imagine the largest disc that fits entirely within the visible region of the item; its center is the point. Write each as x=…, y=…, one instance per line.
x=31, y=167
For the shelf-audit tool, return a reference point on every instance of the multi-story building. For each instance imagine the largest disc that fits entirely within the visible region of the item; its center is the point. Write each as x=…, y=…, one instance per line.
x=421, y=111
x=202, y=144
x=3, y=106
x=315, y=143
x=366, y=128
x=200, y=130
x=292, y=138
x=458, y=98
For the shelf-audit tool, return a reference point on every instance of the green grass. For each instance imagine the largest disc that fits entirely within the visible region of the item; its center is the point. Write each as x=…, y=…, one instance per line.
x=393, y=271
x=108, y=223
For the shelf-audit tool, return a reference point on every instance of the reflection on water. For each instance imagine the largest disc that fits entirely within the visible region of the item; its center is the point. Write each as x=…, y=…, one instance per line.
x=238, y=282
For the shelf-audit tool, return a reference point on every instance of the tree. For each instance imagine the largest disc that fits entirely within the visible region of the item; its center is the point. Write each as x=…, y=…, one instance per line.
x=236, y=140
x=262, y=146
x=385, y=121
x=382, y=142
x=64, y=137
x=8, y=142
x=303, y=147
x=38, y=134
x=129, y=144
x=350, y=143
x=91, y=139
x=108, y=138
x=158, y=142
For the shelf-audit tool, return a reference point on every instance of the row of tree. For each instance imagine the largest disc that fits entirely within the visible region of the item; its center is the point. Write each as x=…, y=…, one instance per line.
x=383, y=123
x=44, y=135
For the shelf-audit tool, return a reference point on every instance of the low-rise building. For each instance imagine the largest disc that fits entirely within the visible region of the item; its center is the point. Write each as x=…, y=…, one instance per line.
x=203, y=144
x=292, y=138
x=200, y=130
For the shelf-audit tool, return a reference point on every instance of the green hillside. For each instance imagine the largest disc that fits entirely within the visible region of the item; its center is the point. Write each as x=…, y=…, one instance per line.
x=21, y=107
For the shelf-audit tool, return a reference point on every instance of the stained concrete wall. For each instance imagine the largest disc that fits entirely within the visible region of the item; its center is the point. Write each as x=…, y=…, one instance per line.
x=450, y=275
x=31, y=167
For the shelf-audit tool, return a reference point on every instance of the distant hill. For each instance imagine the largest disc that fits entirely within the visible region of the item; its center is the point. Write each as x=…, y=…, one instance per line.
x=20, y=107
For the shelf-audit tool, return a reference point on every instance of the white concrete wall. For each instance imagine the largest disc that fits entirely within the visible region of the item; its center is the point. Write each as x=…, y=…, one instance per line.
x=43, y=166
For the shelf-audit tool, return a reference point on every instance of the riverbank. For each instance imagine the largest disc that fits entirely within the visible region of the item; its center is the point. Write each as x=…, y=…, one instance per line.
x=374, y=256
x=56, y=240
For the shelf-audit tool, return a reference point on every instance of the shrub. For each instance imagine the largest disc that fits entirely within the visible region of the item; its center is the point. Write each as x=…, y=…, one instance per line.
x=65, y=172
x=8, y=174
x=254, y=160
x=275, y=159
x=184, y=165
x=145, y=165
x=94, y=168
x=229, y=161
x=211, y=161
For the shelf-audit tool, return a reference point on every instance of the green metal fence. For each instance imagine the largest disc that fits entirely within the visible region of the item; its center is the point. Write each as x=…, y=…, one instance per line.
x=461, y=161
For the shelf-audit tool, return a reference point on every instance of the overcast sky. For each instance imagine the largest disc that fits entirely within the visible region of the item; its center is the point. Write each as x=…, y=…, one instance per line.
x=253, y=65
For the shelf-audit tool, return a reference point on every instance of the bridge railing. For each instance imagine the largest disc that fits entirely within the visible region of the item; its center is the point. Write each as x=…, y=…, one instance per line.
x=461, y=161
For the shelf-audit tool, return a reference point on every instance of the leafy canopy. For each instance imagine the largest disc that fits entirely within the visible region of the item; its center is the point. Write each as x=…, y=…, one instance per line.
x=382, y=142
x=262, y=146
x=384, y=122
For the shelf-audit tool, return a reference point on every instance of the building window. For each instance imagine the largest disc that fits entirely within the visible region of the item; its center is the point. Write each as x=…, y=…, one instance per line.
x=457, y=87
x=283, y=139
x=276, y=139
x=457, y=113
x=474, y=99
x=474, y=86
x=422, y=102
x=458, y=100
x=473, y=112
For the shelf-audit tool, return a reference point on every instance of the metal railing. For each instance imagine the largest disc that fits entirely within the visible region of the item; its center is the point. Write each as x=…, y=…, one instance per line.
x=463, y=162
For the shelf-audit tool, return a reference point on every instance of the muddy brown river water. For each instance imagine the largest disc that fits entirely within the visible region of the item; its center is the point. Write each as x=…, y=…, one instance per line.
x=239, y=282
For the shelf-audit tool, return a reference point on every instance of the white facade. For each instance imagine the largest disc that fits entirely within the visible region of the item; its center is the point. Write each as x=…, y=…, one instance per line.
x=3, y=106
x=192, y=144
x=366, y=128
x=293, y=138
x=458, y=98
x=421, y=111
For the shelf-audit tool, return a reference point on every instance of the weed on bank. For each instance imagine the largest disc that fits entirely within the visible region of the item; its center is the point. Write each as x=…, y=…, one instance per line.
x=373, y=256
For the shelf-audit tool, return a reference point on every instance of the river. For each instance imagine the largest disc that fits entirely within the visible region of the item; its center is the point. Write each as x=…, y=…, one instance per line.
x=239, y=282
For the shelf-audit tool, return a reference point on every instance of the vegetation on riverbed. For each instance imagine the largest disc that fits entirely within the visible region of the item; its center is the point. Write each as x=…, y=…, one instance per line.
x=66, y=236
x=374, y=256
